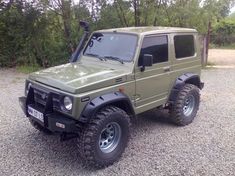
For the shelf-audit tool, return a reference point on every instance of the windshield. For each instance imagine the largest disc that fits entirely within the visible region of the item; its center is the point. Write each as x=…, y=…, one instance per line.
x=112, y=45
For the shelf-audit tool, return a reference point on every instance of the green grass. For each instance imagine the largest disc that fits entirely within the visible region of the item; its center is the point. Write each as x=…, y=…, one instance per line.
x=210, y=64
x=28, y=68
x=213, y=46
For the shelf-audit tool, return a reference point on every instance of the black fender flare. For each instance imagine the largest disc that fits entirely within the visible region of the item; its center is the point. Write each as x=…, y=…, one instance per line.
x=187, y=78
x=118, y=99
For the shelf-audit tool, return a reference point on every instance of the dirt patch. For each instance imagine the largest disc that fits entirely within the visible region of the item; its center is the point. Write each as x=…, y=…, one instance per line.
x=222, y=57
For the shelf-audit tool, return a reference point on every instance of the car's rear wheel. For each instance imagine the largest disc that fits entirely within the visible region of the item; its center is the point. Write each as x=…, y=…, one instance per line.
x=185, y=107
x=105, y=137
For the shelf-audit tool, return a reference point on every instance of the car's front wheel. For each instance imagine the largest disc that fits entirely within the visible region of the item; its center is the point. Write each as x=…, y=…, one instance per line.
x=105, y=137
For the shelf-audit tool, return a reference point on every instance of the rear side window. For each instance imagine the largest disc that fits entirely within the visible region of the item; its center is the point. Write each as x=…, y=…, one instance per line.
x=184, y=46
x=156, y=46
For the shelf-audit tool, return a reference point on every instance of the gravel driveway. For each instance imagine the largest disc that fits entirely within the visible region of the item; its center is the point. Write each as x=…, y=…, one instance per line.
x=206, y=147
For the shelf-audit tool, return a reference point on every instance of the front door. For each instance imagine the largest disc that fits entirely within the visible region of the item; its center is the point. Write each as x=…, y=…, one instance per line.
x=153, y=84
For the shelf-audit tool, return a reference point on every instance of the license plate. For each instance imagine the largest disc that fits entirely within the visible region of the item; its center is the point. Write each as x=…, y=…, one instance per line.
x=35, y=113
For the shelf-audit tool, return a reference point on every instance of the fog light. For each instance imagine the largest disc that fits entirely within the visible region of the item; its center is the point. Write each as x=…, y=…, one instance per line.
x=60, y=125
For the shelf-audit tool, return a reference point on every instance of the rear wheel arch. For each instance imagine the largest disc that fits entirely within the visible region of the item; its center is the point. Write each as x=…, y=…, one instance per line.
x=188, y=78
x=117, y=99
x=194, y=80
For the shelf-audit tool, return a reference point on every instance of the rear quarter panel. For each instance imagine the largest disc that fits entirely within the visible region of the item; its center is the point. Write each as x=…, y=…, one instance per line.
x=184, y=65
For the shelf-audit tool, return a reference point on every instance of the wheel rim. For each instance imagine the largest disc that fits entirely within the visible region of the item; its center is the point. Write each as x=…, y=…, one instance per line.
x=189, y=105
x=110, y=137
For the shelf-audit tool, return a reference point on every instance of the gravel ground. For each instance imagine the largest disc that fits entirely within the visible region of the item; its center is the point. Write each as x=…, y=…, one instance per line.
x=206, y=147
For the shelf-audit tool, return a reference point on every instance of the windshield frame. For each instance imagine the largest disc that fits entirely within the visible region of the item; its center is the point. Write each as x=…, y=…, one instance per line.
x=115, y=32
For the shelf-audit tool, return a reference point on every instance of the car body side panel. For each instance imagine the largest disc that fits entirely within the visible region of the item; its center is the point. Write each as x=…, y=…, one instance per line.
x=185, y=65
x=152, y=85
x=154, y=94
x=127, y=87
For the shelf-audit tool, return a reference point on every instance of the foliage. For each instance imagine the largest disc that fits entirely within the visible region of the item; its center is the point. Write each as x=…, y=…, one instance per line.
x=46, y=32
x=225, y=27
x=224, y=32
x=29, y=36
x=28, y=68
x=225, y=46
x=231, y=16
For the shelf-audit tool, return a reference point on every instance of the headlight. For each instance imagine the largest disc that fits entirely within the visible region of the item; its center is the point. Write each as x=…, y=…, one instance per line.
x=68, y=104
x=27, y=88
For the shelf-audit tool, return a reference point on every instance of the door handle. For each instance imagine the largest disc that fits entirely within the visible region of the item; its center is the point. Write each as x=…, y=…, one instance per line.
x=167, y=69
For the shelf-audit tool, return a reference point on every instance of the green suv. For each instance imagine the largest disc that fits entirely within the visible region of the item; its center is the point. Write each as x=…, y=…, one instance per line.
x=113, y=76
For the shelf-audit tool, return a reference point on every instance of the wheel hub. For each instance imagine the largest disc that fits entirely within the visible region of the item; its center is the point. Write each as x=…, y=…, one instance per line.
x=110, y=137
x=189, y=105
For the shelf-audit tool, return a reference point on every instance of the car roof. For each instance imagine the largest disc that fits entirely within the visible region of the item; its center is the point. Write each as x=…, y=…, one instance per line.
x=150, y=30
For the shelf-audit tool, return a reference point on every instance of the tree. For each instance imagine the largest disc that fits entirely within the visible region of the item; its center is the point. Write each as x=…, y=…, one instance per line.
x=224, y=32
x=45, y=32
x=62, y=8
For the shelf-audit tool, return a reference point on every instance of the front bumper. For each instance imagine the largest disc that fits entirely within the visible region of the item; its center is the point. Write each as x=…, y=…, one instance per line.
x=53, y=121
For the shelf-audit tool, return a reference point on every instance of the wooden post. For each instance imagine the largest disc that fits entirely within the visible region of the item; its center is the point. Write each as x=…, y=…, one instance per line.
x=208, y=42
x=203, y=44
x=205, y=51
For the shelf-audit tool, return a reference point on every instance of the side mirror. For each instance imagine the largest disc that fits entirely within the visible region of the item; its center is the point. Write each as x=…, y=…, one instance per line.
x=147, y=61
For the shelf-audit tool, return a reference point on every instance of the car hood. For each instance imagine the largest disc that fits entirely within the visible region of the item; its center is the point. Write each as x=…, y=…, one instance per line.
x=79, y=77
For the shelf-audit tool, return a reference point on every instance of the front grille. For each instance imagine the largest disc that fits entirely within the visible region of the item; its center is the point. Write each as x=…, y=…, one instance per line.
x=40, y=97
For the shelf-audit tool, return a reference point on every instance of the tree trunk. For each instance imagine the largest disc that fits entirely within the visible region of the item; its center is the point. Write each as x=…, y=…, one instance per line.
x=208, y=40
x=66, y=17
x=120, y=13
x=136, y=4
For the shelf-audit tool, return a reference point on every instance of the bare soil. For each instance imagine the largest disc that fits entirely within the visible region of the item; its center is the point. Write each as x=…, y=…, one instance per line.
x=223, y=57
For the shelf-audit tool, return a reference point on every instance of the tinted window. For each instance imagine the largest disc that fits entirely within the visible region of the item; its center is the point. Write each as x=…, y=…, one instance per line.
x=156, y=46
x=112, y=44
x=184, y=46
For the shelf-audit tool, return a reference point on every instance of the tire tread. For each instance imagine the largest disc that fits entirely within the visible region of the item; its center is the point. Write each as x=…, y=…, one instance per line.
x=176, y=109
x=86, y=143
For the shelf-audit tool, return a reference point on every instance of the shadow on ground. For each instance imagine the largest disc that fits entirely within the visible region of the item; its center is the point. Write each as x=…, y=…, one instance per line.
x=50, y=149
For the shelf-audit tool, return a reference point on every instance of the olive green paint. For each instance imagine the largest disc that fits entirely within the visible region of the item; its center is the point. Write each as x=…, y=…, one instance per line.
x=93, y=77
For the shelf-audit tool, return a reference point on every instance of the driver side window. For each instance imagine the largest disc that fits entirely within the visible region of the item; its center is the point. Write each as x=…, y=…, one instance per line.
x=157, y=46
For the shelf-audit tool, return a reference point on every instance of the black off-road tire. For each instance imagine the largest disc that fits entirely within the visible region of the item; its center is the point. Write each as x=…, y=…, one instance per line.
x=38, y=127
x=88, y=142
x=177, y=109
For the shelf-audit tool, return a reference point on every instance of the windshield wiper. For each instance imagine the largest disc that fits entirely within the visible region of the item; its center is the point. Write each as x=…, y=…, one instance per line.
x=104, y=58
x=114, y=58
x=95, y=55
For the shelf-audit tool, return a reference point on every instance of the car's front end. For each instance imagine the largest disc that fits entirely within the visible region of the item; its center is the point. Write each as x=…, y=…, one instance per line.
x=55, y=97
x=50, y=108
